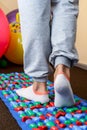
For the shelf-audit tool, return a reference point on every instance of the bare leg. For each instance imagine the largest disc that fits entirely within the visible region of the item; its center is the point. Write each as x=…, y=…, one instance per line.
x=40, y=87
x=62, y=69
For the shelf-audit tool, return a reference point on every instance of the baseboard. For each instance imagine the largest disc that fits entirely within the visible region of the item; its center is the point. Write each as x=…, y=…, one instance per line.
x=82, y=66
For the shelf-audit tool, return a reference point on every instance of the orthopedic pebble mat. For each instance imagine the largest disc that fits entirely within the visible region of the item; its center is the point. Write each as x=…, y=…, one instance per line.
x=32, y=115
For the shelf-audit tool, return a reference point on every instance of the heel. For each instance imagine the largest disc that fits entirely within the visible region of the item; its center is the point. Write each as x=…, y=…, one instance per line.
x=63, y=92
x=62, y=101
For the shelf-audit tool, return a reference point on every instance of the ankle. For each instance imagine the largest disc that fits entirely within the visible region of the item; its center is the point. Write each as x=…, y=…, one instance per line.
x=62, y=69
x=39, y=86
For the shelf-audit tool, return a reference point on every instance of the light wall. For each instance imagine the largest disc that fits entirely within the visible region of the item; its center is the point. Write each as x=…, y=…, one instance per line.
x=81, y=41
x=8, y=5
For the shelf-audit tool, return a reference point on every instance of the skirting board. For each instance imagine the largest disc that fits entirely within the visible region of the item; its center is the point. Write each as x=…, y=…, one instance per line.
x=82, y=66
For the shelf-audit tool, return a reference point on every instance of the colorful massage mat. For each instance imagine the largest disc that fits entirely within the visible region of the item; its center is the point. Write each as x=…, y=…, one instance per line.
x=32, y=115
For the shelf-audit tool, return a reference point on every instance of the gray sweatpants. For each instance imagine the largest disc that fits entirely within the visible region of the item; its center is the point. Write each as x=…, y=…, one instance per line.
x=48, y=41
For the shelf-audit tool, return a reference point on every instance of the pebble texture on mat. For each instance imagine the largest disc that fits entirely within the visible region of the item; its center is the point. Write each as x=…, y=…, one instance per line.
x=32, y=115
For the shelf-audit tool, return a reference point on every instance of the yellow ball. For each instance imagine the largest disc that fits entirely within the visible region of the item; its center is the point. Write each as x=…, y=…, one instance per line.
x=14, y=52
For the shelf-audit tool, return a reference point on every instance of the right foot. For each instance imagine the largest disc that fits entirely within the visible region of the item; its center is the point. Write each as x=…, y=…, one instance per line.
x=63, y=92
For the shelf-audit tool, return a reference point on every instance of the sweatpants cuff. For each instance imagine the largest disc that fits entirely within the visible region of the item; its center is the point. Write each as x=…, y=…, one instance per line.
x=40, y=79
x=62, y=60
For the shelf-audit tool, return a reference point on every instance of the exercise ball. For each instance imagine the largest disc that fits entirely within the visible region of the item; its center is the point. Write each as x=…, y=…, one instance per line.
x=12, y=16
x=4, y=33
x=14, y=52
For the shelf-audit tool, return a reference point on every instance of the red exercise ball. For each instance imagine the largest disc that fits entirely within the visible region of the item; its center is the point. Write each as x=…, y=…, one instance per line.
x=4, y=33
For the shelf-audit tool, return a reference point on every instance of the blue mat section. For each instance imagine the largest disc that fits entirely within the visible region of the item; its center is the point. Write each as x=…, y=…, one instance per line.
x=14, y=114
x=32, y=115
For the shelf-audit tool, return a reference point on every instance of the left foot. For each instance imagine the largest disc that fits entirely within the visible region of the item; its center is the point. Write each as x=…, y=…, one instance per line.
x=34, y=93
